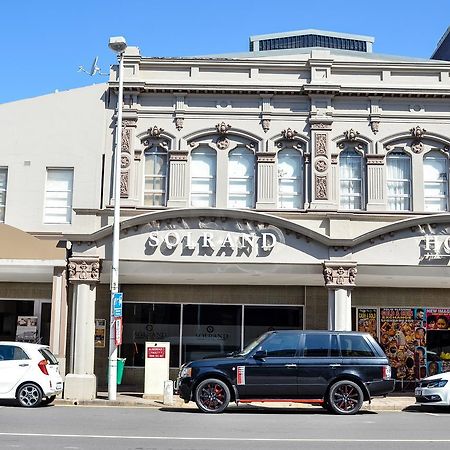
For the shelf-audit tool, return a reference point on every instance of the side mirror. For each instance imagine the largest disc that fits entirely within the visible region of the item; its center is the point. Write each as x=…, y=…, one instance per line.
x=260, y=355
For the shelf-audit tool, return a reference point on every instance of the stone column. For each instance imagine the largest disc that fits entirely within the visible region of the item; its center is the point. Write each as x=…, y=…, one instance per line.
x=58, y=325
x=340, y=279
x=376, y=185
x=178, y=179
x=267, y=181
x=84, y=275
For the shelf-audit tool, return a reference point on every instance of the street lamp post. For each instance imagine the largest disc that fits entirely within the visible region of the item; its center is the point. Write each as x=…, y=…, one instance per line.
x=118, y=45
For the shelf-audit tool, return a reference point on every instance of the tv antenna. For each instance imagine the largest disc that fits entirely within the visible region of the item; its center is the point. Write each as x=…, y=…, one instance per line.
x=95, y=69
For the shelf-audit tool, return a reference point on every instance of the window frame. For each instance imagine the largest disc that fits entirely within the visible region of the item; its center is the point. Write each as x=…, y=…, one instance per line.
x=429, y=155
x=251, y=196
x=155, y=151
x=300, y=195
x=390, y=156
x=212, y=195
x=362, y=180
x=69, y=207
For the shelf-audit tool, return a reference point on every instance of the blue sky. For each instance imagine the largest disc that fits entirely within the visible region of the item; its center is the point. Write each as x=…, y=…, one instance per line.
x=46, y=41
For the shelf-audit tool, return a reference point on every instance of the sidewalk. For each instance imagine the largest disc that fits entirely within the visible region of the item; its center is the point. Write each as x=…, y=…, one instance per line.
x=396, y=402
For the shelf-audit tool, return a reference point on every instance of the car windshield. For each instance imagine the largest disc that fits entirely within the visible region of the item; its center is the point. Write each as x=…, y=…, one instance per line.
x=250, y=347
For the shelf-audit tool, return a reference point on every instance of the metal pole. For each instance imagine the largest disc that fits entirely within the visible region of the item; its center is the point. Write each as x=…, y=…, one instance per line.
x=112, y=363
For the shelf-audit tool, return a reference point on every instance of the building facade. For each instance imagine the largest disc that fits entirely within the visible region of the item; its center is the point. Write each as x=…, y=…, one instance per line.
x=303, y=184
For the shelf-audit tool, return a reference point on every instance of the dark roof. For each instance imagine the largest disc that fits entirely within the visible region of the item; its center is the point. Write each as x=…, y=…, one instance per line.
x=442, y=51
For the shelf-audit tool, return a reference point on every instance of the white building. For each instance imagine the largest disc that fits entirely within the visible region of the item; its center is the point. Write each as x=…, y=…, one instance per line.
x=284, y=187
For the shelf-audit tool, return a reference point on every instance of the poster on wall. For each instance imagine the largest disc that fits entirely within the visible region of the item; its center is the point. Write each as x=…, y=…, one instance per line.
x=368, y=321
x=401, y=331
x=100, y=333
x=26, y=330
x=438, y=319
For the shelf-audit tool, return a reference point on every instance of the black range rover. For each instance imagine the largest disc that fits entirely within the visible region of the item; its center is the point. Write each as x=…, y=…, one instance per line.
x=336, y=369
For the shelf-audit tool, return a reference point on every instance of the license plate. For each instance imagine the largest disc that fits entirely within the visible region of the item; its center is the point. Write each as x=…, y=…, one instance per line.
x=59, y=386
x=419, y=392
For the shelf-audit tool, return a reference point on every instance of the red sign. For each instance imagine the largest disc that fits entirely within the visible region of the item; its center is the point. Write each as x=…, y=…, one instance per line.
x=118, y=331
x=156, y=352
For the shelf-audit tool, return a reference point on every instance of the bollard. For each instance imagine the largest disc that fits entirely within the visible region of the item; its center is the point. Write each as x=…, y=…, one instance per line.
x=168, y=392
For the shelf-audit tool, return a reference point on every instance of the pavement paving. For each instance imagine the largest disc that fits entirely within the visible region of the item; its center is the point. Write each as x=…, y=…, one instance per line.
x=394, y=402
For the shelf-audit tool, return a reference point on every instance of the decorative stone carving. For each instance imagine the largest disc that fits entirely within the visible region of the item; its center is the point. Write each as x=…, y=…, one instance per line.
x=179, y=122
x=124, y=183
x=375, y=126
x=84, y=269
x=339, y=274
x=417, y=132
x=375, y=159
x=155, y=132
x=223, y=128
x=321, y=144
x=321, y=165
x=126, y=139
x=178, y=155
x=266, y=157
x=289, y=134
x=417, y=146
x=125, y=161
x=265, y=123
x=223, y=143
x=321, y=188
x=351, y=135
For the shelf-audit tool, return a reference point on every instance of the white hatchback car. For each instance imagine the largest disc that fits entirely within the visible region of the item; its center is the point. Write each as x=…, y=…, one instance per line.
x=29, y=373
x=434, y=390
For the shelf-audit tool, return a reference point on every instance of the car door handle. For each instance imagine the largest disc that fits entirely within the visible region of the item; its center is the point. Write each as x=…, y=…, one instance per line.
x=334, y=366
x=290, y=366
x=23, y=365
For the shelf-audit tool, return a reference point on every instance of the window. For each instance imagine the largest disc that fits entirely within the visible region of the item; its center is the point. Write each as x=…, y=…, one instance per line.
x=290, y=170
x=351, y=179
x=241, y=184
x=3, y=181
x=58, y=196
x=12, y=353
x=320, y=345
x=355, y=346
x=435, y=170
x=155, y=178
x=399, y=181
x=281, y=345
x=203, y=177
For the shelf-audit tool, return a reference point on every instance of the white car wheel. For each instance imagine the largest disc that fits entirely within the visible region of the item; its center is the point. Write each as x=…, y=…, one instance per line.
x=29, y=395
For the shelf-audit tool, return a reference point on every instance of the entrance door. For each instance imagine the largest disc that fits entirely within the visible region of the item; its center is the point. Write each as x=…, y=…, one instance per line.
x=275, y=374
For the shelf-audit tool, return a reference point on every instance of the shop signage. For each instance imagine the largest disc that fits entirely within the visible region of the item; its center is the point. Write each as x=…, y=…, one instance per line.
x=118, y=331
x=117, y=302
x=100, y=333
x=435, y=246
x=156, y=352
x=212, y=240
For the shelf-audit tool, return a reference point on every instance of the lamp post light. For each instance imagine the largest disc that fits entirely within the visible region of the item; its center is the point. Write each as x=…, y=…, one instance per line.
x=118, y=45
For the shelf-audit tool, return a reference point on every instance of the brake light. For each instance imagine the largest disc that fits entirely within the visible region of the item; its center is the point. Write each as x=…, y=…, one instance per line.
x=43, y=366
x=387, y=372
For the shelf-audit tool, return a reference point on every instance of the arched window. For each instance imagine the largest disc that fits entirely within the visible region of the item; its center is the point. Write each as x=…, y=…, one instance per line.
x=351, y=179
x=290, y=179
x=435, y=170
x=203, y=177
x=398, y=181
x=241, y=178
x=155, y=177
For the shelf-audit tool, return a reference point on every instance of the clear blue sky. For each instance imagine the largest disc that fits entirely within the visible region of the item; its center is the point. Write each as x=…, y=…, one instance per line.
x=44, y=42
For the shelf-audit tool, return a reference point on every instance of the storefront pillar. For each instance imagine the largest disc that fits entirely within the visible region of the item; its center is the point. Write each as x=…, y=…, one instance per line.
x=340, y=279
x=81, y=383
x=58, y=323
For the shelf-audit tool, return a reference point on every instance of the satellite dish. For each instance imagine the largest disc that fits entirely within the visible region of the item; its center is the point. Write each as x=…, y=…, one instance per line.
x=95, y=69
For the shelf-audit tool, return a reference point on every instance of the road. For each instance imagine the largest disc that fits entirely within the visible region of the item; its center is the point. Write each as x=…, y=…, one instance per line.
x=89, y=428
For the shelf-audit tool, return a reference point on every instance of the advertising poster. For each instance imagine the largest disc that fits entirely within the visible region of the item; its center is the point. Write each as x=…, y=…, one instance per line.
x=438, y=319
x=400, y=333
x=26, y=330
x=100, y=333
x=368, y=321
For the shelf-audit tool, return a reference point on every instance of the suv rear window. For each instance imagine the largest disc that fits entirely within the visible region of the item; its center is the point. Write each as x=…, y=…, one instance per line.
x=352, y=345
x=48, y=356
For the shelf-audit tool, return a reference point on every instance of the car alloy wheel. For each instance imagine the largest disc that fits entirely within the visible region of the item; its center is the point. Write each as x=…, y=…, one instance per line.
x=212, y=396
x=29, y=395
x=345, y=397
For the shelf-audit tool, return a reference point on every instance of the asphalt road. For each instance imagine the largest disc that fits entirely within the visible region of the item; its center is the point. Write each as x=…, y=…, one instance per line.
x=77, y=427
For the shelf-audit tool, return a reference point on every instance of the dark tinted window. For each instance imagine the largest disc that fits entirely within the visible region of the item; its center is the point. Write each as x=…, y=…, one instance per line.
x=11, y=352
x=48, y=356
x=317, y=345
x=352, y=345
x=281, y=345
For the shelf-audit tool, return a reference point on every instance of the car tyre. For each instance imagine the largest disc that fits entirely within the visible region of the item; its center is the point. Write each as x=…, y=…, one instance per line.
x=345, y=397
x=29, y=395
x=47, y=400
x=212, y=396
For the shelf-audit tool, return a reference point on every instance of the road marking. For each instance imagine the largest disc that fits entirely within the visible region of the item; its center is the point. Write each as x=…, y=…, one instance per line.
x=231, y=439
